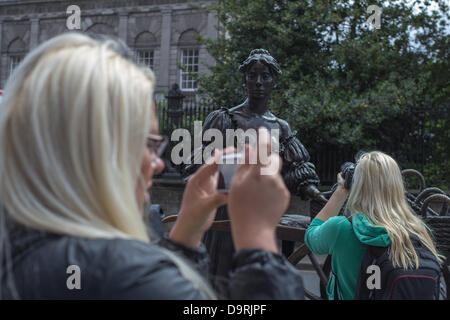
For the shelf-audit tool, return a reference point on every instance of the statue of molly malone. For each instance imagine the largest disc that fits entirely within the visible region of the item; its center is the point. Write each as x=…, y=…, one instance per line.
x=260, y=75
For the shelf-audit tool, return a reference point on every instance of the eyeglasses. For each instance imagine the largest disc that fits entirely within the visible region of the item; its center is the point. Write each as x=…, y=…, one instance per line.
x=157, y=143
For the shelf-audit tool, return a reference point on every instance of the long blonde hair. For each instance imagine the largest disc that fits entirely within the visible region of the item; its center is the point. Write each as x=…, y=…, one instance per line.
x=378, y=192
x=73, y=126
x=71, y=139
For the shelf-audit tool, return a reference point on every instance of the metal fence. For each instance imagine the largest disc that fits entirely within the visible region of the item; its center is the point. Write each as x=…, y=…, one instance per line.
x=192, y=111
x=418, y=139
x=328, y=160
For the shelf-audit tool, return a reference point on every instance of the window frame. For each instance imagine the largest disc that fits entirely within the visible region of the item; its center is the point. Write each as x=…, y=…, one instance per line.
x=151, y=50
x=12, y=56
x=188, y=73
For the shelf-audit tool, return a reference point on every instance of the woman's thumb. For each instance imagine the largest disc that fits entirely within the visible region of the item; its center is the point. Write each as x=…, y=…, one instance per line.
x=217, y=200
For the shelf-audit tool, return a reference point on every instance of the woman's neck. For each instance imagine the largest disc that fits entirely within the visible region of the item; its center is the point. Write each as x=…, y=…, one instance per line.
x=258, y=106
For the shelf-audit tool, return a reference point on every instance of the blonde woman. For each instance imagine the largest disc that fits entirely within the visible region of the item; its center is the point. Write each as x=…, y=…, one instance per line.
x=79, y=146
x=380, y=217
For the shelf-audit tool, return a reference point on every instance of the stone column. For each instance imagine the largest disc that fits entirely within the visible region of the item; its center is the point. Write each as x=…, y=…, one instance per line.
x=34, y=34
x=123, y=26
x=165, y=48
x=213, y=23
x=212, y=33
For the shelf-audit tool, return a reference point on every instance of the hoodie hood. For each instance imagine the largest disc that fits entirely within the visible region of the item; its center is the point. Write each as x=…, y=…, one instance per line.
x=369, y=234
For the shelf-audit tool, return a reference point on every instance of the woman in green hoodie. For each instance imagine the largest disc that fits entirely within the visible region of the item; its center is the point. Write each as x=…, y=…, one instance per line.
x=380, y=217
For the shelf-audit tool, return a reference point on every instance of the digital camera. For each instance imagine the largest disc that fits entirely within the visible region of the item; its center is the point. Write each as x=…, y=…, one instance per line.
x=347, y=170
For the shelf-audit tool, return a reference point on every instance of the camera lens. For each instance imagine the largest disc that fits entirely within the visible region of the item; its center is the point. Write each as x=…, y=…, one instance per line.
x=347, y=170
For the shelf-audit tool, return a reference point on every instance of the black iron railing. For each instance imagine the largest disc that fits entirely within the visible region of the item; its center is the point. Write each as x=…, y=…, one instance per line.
x=419, y=139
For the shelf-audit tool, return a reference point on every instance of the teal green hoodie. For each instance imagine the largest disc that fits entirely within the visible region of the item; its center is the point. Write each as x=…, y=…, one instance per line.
x=346, y=242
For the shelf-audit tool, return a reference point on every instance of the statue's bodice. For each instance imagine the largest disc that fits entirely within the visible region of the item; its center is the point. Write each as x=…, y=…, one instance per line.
x=245, y=120
x=297, y=171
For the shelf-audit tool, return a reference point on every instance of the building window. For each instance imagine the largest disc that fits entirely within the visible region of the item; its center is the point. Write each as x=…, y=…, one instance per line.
x=145, y=57
x=189, y=69
x=14, y=61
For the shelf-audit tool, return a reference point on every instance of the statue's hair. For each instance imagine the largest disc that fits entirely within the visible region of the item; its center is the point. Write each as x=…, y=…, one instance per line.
x=263, y=56
x=378, y=192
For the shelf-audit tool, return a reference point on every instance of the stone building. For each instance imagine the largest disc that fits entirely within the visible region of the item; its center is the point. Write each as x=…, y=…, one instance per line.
x=162, y=33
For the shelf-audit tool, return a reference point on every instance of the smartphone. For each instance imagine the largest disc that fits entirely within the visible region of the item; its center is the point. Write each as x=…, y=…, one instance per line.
x=227, y=167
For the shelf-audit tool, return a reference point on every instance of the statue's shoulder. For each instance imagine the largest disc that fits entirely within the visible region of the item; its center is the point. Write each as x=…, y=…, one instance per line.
x=286, y=131
x=238, y=110
x=220, y=119
x=221, y=112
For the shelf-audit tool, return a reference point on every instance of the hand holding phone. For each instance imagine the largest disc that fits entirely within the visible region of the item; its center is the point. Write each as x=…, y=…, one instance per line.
x=227, y=167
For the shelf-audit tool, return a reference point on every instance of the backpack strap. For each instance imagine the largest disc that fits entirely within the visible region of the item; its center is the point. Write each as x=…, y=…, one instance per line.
x=370, y=256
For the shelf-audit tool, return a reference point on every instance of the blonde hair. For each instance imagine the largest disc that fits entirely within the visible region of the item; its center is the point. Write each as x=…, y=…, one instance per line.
x=71, y=139
x=378, y=192
x=73, y=126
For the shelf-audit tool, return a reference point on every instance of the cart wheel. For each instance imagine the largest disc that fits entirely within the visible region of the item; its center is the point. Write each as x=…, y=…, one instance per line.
x=434, y=197
x=301, y=252
x=426, y=192
x=417, y=174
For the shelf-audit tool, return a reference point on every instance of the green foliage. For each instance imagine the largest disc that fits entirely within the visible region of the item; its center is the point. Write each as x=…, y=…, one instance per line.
x=343, y=84
x=435, y=175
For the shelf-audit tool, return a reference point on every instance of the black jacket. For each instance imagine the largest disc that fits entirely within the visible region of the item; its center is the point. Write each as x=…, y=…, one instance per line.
x=131, y=269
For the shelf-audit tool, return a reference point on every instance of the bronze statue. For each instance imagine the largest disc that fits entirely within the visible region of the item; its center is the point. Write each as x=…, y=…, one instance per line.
x=260, y=75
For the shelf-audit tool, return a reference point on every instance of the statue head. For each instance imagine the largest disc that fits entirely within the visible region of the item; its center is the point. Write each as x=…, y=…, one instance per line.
x=263, y=56
x=260, y=73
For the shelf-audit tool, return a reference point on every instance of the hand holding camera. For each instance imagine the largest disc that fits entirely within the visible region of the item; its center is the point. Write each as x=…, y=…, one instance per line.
x=337, y=199
x=347, y=170
x=257, y=201
x=200, y=202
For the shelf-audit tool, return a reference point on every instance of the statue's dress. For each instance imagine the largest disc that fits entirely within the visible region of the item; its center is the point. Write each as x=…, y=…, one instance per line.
x=297, y=173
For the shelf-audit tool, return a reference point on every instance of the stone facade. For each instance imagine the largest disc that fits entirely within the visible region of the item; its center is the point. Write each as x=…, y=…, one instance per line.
x=163, y=31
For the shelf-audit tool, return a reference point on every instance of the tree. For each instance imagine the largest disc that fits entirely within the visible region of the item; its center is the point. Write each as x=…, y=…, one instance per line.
x=343, y=83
